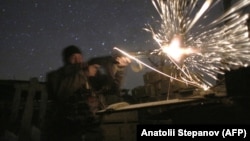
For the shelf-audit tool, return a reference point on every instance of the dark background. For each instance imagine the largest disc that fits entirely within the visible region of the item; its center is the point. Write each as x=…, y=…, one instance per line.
x=33, y=33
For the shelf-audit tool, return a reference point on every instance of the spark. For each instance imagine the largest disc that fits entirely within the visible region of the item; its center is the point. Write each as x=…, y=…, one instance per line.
x=196, y=52
x=152, y=68
x=176, y=50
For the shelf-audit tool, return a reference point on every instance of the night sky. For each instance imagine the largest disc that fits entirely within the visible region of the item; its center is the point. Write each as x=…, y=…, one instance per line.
x=33, y=33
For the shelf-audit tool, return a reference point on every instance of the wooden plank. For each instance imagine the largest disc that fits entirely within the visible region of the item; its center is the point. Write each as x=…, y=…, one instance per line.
x=117, y=107
x=43, y=106
x=15, y=104
x=28, y=113
x=121, y=117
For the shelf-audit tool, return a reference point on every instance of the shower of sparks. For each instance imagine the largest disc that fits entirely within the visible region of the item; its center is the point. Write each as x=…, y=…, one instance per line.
x=150, y=67
x=197, y=53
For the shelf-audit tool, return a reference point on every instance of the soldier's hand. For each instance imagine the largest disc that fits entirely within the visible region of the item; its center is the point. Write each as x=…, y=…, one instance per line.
x=123, y=61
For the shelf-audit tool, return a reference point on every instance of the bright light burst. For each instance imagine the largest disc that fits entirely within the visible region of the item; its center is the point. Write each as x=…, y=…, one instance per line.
x=197, y=53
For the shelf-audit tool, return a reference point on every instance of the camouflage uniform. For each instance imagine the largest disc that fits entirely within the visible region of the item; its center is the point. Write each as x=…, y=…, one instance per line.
x=77, y=98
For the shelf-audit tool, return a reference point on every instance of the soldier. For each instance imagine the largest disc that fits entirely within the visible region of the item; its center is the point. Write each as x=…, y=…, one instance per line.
x=78, y=89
